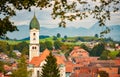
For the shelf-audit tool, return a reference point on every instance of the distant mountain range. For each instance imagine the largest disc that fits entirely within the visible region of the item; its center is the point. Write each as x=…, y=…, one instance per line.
x=69, y=31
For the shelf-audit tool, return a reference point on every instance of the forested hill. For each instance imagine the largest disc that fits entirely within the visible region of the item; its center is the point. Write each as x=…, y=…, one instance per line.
x=69, y=31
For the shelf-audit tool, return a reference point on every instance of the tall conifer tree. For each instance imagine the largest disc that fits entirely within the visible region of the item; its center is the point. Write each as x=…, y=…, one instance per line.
x=50, y=69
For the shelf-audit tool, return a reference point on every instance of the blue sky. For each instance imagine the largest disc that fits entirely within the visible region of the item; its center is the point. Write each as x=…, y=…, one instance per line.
x=24, y=17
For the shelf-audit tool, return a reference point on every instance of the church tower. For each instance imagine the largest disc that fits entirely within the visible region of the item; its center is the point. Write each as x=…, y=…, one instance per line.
x=34, y=38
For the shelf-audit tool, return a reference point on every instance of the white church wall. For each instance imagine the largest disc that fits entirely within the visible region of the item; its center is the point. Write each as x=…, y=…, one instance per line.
x=34, y=36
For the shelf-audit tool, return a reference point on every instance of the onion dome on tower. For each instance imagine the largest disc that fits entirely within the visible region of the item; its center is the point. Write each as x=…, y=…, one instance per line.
x=34, y=23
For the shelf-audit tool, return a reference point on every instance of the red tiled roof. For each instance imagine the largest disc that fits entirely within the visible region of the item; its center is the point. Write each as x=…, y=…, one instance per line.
x=69, y=66
x=37, y=60
x=114, y=75
x=117, y=61
x=14, y=65
x=59, y=60
x=78, y=65
x=76, y=52
x=7, y=68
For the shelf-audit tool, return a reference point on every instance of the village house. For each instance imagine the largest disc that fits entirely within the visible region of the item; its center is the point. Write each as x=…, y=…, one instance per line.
x=18, y=54
x=3, y=56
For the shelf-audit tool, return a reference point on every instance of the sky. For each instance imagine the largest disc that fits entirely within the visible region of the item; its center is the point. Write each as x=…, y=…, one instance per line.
x=44, y=17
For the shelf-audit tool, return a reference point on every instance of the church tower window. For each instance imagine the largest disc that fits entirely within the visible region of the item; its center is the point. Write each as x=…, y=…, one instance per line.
x=32, y=47
x=34, y=34
x=35, y=48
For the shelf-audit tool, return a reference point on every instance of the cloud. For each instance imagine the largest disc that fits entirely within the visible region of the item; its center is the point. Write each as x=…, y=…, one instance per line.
x=44, y=16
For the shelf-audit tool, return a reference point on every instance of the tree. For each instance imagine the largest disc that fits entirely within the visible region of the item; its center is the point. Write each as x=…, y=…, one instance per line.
x=6, y=25
x=4, y=46
x=49, y=45
x=57, y=44
x=58, y=35
x=62, y=9
x=104, y=55
x=20, y=46
x=86, y=48
x=50, y=69
x=96, y=35
x=25, y=50
x=22, y=68
x=65, y=37
x=98, y=49
x=79, y=39
x=118, y=55
x=103, y=74
x=1, y=66
x=42, y=46
x=63, y=40
x=54, y=38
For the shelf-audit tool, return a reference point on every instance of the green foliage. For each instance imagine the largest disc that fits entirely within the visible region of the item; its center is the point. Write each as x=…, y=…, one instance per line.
x=98, y=49
x=22, y=68
x=118, y=55
x=1, y=66
x=5, y=26
x=21, y=46
x=65, y=37
x=7, y=49
x=113, y=54
x=109, y=40
x=50, y=69
x=4, y=46
x=109, y=55
x=57, y=44
x=54, y=38
x=105, y=55
x=25, y=50
x=58, y=35
x=80, y=39
x=103, y=74
x=10, y=52
x=68, y=51
x=86, y=48
x=63, y=40
x=42, y=46
x=49, y=45
x=96, y=35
